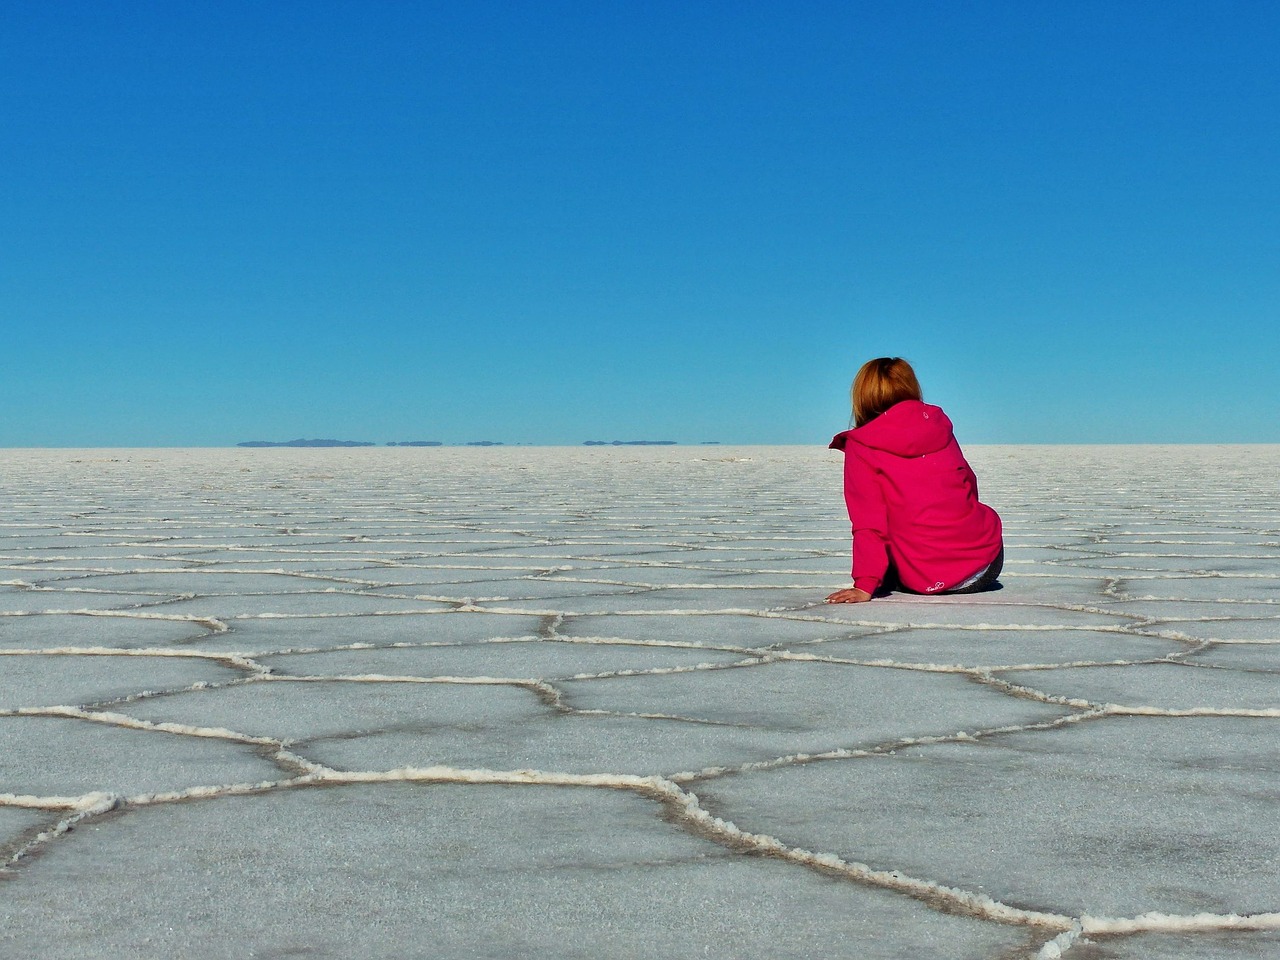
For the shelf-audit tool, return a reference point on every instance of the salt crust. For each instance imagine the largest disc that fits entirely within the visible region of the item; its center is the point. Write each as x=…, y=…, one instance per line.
x=1138, y=549
x=508, y=867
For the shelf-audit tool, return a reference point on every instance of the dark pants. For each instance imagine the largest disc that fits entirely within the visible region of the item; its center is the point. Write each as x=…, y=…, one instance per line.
x=988, y=580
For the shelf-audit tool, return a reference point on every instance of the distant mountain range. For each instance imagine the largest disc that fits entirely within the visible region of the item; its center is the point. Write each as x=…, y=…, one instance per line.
x=341, y=443
x=307, y=443
x=629, y=443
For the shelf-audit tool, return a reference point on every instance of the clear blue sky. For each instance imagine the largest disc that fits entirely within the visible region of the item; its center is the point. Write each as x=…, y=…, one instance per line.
x=551, y=222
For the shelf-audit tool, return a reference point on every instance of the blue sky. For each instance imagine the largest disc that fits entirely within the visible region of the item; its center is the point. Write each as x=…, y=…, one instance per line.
x=552, y=222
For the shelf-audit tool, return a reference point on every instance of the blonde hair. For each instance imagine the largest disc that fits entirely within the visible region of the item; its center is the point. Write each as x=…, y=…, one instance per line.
x=879, y=385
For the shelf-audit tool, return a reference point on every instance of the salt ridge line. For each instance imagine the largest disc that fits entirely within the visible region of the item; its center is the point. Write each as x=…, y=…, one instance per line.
x=682, y=803
x=280, y=754
x=230, y=658
x=640, y=715
x=548, y=693
x=752, y=655
x=1116, y=709
x=1090, y=555
x=212, y=623
x=106, y=704
x=639, y=585
x=754, y=661
x=638, y=642
x=466, y=605
x=794, y=615
x=1222, y=600
x=179, y=595
x=406, y=645
x=204, y=572
x=544, y=690
x=1150, y=573
x=686, y=807
x=975, y=669
x=1267, y=618
x=552, y=695
x=882, y=749
x=1209, y=647
x=1055, y=948
x=84, y=807
x=782, y=649
x=1120, y=710
x=107, y=718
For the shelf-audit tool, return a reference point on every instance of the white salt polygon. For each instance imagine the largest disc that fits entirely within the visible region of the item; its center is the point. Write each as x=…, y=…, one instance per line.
x=607, y=678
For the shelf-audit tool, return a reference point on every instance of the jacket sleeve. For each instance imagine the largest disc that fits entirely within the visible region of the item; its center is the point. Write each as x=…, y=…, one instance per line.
x=870, y=520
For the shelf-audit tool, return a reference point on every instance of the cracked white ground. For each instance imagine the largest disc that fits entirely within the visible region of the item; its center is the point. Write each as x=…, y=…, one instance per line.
x=588, y=703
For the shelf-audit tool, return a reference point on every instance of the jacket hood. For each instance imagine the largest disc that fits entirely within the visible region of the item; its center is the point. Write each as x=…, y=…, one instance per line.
x=909, y=428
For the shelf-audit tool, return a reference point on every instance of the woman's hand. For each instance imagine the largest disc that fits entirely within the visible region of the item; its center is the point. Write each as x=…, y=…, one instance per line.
x=850, y=595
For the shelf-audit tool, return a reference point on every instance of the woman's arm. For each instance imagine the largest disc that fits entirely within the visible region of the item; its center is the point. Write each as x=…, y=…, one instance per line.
x=869, y=518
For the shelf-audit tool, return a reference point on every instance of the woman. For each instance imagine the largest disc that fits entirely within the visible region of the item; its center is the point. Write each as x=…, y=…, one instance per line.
x=913, y=500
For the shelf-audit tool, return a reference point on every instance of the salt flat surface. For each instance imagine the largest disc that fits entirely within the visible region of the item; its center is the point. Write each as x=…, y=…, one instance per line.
x=588, y=703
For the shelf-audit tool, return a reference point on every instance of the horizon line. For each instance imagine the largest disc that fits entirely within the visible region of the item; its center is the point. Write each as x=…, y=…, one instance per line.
x=611, y=444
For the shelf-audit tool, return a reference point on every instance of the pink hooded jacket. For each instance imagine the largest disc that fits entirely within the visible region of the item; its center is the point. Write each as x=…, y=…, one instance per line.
x=913, y=500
